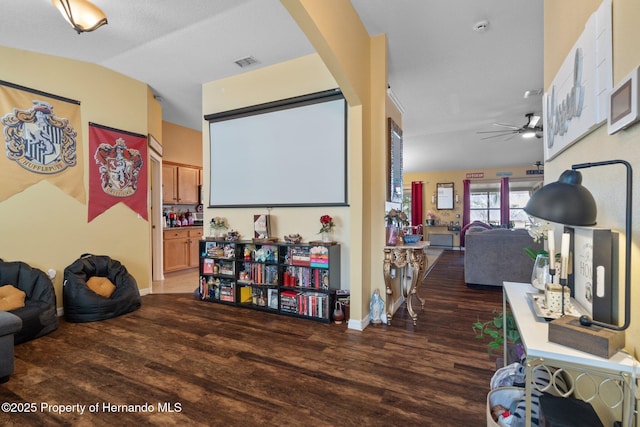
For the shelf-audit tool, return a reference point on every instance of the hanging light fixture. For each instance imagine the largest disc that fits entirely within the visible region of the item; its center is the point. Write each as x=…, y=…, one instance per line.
x=82, y=15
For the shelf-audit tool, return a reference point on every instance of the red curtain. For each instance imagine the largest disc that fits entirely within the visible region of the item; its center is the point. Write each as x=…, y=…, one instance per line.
x=416, y=203
x=466, y=202
x=504, y=202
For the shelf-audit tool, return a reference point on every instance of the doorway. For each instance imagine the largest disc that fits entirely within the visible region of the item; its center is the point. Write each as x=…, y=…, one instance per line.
x=155, y=161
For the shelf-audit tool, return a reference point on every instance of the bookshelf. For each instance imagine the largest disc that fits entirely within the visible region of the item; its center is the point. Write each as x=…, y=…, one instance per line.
x=292, y=279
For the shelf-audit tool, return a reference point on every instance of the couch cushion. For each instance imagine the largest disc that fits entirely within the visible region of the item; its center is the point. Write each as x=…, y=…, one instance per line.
x=11, y=298
x=101, y=286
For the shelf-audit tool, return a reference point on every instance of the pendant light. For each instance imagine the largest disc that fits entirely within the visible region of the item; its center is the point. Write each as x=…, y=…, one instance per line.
x=82, y=15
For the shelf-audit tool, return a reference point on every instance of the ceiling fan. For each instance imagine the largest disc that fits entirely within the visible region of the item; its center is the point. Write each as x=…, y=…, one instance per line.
x=529, y=130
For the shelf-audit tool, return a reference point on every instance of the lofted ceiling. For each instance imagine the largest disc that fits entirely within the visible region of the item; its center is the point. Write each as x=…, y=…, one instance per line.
x=451, y=80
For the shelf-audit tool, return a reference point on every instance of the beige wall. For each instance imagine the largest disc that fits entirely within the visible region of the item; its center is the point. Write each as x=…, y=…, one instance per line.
x=564, y=22
x=154, y=116
x=359, y=65
x=181, y=144
x=430, y=179
x=42, y=225
x=284, y=80
x=349, y=59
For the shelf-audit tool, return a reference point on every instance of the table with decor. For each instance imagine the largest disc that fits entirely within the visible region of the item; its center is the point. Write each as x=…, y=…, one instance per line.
x=608, y=383
x=402, y=256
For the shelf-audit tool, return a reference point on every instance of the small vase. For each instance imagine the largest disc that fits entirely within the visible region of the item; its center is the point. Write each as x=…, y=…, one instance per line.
x=326, y=236
x=540, y=275
x=391, y=235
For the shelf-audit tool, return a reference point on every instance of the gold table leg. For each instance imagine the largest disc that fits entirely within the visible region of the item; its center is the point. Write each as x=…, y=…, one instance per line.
x=400, y=257
x=388, y=281
x=416, y=260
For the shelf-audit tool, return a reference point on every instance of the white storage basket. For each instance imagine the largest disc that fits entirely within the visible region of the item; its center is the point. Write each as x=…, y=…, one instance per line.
x=504, y=396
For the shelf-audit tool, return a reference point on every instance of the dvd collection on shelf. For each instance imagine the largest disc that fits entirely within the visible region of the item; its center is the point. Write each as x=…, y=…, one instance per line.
x=287, y=278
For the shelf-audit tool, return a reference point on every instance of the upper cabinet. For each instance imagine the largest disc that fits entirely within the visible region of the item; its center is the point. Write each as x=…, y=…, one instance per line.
x=180, y=184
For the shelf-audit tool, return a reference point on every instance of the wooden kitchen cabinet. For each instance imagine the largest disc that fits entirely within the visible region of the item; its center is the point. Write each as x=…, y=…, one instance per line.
x=181, y=248
x=180, y=184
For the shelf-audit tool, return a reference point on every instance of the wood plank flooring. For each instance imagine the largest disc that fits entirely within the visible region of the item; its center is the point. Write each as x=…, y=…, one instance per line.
x=197, y=363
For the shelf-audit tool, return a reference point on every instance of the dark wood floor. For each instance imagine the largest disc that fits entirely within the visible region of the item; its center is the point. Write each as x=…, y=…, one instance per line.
x=213, y=364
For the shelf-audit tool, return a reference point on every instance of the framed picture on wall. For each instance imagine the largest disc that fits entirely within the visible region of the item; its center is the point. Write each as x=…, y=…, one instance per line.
x=394, y=174
x=444, y=195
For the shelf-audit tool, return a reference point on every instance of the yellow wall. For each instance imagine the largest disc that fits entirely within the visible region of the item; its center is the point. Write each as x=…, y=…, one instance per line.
x=430, y=179
x=284, y=80
x=564, y=22
x=42, y=225
x=359, y=65
x=181, y=144
x=154, y=119
x=347, y=58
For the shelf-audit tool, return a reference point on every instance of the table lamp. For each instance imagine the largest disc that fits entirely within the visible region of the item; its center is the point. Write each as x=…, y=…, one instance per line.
x=568, y=202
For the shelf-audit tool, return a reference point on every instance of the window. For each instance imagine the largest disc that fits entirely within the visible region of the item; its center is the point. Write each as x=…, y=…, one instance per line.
x=485, y=203
x=517, y=216
x=485, y=207
x=406, y=203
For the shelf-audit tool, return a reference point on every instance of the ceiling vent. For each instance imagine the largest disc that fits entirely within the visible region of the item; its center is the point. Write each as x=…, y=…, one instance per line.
x=481, y=26
x=245, y=62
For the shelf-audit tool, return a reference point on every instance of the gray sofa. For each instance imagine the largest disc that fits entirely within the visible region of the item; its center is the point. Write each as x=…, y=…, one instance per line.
x=9, y=325
x=497, y=255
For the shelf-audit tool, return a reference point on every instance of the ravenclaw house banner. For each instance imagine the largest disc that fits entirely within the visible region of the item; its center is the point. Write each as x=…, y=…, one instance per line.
x=42, y=141
x=117, y=170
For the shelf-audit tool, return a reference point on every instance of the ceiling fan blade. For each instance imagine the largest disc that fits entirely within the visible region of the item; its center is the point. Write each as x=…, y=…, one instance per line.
x=494, y=136
x=507, y=126
x=505, y=131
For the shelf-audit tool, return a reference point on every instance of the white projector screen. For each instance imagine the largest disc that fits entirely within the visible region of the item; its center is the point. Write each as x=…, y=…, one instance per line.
x=285, y=153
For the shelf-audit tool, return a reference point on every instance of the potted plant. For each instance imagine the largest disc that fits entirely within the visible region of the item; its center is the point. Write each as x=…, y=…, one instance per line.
x=493, y=330
x=431, y=218
x=217, y=226
x=326, y=228
x=395, y=219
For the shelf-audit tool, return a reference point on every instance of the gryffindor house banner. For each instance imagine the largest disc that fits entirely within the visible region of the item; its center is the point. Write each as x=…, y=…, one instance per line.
x=117, y=170
x=42, y=141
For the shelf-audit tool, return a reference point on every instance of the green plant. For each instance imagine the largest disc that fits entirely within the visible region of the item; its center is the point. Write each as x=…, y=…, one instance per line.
x=493, y=330
x=397, y=218
x=532, y=253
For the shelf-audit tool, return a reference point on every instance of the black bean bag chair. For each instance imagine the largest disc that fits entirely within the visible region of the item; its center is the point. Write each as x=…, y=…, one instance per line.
x=82, y=304
x=39, y=314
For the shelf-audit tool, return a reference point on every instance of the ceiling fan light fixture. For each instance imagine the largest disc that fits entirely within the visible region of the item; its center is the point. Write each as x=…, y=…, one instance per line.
x=82, y=15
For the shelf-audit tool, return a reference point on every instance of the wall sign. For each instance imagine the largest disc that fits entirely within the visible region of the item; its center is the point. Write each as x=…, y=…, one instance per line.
x=577, y=100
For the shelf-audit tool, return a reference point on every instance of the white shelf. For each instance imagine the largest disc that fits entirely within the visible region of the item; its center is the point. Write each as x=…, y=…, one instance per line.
x=534, y=334
x=621, y=368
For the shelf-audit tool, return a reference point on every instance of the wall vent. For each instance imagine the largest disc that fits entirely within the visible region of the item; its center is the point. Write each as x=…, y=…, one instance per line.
x=245, y=62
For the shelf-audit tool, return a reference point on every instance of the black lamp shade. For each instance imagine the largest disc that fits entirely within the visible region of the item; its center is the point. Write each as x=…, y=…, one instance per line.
x=565, y=201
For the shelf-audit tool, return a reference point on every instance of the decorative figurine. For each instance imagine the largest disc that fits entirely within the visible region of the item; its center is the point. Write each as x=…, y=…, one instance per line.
x=376, y=307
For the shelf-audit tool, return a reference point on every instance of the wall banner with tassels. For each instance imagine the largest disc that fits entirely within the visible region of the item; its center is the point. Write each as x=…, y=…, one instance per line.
x=42, y=141
x=117, y=170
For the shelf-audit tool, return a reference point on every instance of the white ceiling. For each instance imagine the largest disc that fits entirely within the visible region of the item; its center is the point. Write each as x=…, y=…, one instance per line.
x=450, y=80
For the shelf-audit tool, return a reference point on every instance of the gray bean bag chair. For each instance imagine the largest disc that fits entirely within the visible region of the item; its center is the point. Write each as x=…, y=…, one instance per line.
x=39, y=315
x=82, y=304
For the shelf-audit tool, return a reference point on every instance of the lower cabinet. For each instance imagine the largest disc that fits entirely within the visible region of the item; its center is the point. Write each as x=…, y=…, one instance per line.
x=180, y=247
x=289, y=279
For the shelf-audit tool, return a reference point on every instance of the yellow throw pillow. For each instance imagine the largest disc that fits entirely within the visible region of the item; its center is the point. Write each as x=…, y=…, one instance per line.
x=101, y=286
x=11, y=298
